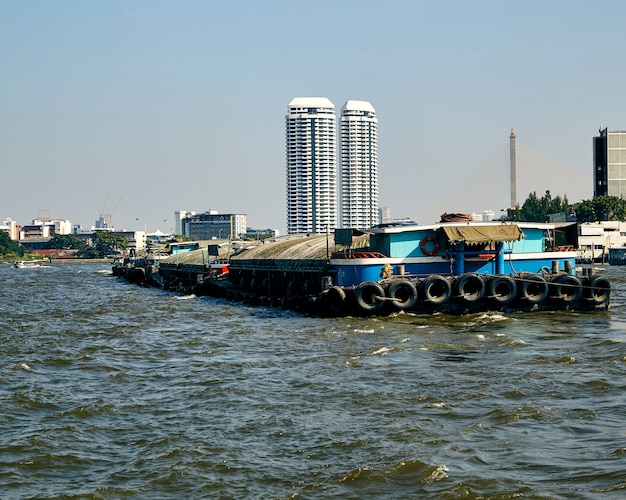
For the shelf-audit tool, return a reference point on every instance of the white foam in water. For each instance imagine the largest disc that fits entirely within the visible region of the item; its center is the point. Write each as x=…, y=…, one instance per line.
x=383, y=351
x=185, y=297
x=493, y=316
x=440, y=473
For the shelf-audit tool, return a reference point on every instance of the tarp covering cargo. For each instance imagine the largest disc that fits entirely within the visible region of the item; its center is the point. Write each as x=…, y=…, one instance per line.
x=483, y=234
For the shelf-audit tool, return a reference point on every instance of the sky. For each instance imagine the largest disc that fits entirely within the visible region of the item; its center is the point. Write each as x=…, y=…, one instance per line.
x=140, y=108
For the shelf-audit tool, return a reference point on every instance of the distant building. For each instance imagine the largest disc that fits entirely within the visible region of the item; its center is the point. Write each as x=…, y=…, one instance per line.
x=36, y=231
x=62, y=226
x=597, y=239
x=11, y=227
x=137, y=240
x=179, y=215
x=384, y=215
x=311, y=159
x=358, y=166
x=609, y=164
x=37, y=234
x=45, y=229
x=213, y=225
x=257, y=233
x=104, y=222
x=158, y=237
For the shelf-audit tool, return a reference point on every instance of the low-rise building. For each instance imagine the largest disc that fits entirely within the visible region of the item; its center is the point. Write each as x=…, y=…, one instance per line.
x=136, y=239
x=595, y=238
x=45, y=228
x=213, y=225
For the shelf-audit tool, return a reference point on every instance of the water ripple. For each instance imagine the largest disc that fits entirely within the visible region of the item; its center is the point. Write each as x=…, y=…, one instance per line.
x=116, y=391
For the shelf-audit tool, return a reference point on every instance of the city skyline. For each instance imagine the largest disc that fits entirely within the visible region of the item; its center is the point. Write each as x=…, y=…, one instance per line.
x=97, y=102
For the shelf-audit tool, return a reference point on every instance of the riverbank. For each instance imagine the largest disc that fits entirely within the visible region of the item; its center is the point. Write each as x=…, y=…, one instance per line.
x=64, y=261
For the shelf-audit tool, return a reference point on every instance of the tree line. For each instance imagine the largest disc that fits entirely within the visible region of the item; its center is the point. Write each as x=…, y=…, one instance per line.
x=103, y=243
x=537, y=209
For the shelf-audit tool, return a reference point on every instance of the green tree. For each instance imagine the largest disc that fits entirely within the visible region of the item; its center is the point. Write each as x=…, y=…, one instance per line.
x=104, y=243
x=536, y=209
x=65, y=242
x=601, y=208
x=90, y=252
x=9, y=248
x=585, y=211
x=532, y=210
x=559, y=205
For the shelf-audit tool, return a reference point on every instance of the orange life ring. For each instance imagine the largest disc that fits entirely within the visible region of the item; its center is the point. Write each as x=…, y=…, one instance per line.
x=429, y=239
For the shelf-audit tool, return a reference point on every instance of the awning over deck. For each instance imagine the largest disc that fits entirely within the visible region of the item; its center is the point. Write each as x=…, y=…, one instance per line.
x=483, y=234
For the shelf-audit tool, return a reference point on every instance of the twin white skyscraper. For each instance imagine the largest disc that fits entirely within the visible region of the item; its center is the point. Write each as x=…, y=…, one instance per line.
x=321, y=197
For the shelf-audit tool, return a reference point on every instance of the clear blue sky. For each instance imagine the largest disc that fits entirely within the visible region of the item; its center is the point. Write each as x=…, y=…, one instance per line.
x=155, y=106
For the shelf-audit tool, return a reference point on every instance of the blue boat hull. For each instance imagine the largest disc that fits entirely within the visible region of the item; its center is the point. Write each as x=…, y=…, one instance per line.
x=351, y=272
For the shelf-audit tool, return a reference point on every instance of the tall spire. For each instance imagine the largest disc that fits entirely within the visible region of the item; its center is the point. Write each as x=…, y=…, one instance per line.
x=512, y=166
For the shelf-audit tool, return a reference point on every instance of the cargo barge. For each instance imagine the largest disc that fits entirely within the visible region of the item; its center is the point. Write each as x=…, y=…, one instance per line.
x=452, y=267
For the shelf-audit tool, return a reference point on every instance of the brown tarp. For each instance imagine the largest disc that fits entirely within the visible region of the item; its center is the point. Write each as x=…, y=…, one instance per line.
x=484, y=234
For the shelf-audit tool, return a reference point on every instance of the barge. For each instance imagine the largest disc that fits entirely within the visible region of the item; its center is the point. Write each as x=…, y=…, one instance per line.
x=455, y=267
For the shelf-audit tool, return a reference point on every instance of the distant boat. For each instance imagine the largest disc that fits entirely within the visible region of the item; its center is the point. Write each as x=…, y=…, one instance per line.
x=27, y=264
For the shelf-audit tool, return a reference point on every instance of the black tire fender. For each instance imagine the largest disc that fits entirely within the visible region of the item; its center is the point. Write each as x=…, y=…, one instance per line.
x=567, y=288
x=598, y=290
x=533, y=288
x=366, y=296
x=502, y=289
x=469, y=287
x=436, y=289
x=403, y=293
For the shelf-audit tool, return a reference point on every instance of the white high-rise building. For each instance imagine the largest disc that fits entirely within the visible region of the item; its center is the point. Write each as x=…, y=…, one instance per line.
x=311, y=165
x=358, y=174
x=179, y=215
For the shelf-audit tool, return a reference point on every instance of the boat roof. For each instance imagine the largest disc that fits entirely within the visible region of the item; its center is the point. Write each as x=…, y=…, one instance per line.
x=470, y=232
x=390, y=228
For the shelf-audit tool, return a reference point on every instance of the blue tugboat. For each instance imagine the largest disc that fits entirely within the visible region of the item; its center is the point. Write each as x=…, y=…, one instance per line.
x=452, y=249
x=453, y=267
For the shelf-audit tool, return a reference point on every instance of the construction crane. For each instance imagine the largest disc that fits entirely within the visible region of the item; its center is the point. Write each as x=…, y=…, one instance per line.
x=105, y=220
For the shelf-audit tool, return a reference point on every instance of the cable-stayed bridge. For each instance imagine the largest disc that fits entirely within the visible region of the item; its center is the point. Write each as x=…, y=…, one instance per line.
x=489, y=187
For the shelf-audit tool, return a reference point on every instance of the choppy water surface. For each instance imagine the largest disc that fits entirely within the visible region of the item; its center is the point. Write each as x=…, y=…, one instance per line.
x=109, y=390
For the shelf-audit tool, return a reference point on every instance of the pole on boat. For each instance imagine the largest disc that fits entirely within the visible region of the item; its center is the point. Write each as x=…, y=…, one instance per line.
x=327, y=250
x=458, y=254
x=500, y=257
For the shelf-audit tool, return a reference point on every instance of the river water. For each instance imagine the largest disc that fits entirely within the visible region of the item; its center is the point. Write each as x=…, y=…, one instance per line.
x=110, y=390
